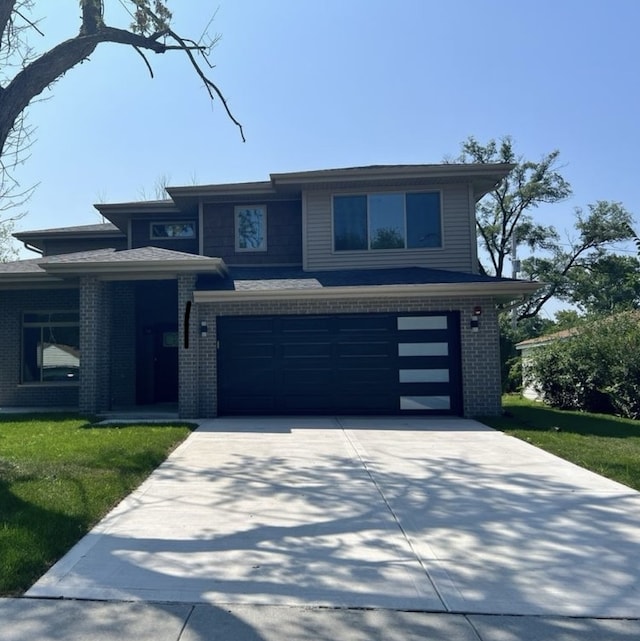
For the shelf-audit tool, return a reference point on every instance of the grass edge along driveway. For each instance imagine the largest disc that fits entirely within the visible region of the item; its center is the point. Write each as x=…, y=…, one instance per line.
x=607, y=445
x=59, y=475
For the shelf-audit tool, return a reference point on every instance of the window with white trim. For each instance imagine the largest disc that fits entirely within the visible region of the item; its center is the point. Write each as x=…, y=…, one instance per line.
x=387, y=221
x=51, y=347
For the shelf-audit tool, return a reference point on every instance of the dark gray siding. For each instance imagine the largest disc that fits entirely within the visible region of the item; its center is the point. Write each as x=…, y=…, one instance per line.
x=284, y=235
x=68, y=246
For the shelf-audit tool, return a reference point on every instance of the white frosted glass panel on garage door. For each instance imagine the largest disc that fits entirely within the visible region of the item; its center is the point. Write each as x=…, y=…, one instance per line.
x=422, y=322
x=424, y=375
x=425, y=402
x=423, y=349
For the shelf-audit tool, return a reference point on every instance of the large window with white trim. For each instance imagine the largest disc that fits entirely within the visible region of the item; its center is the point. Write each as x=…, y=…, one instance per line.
x=387, y=221
x=50, y=347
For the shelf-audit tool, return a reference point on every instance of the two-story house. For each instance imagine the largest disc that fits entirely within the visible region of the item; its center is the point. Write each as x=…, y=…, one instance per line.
x=348, y=291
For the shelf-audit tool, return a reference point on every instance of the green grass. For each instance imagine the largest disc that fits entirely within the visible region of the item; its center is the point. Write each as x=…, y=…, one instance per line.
x=608, y=445
x=58, y=476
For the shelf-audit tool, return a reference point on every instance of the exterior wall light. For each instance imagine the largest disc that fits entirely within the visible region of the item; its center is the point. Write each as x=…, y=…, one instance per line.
x=203, y=328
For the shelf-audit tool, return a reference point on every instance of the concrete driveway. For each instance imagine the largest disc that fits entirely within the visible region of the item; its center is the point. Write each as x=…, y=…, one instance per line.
x=442, y=515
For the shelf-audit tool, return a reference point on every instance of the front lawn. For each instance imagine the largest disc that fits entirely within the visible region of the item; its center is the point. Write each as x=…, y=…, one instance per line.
x=58, y=476
x=604, y=444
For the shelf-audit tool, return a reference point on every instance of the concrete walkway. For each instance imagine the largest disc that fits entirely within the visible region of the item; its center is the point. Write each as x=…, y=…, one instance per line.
x=42, y=620
x=257, y=523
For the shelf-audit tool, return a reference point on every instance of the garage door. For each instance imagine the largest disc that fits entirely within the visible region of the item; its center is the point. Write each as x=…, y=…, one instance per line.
x=348, y=364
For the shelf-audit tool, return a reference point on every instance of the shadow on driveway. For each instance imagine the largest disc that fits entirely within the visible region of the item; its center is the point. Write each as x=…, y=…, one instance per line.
x=442, y=517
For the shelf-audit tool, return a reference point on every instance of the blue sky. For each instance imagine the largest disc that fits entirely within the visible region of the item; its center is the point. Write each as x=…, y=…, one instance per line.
x=342, y=83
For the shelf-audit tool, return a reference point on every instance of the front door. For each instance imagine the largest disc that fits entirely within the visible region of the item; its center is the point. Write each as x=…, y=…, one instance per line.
x=156, y=342
x=165, y=363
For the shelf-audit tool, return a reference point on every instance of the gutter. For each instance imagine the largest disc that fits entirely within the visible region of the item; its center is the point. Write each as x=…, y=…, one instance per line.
x=507, y=290
x=33, y=249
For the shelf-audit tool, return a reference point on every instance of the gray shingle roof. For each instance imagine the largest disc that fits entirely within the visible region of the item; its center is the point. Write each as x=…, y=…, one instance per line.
x=140, y=254
x=28, y=266
x=56, y=264
x=98, y=228
x=282, y=278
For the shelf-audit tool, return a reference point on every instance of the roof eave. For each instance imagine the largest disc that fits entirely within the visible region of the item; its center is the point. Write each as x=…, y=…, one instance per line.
x=18, y=281
x=506, y=291
x=398, y=172
x=136, y=268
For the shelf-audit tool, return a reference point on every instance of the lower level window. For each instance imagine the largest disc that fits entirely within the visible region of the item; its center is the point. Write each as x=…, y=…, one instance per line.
x=50, y=347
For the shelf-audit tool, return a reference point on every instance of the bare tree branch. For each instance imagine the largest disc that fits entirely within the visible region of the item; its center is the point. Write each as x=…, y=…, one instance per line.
x=146, y=62
x=24, y=75
x=6, y=9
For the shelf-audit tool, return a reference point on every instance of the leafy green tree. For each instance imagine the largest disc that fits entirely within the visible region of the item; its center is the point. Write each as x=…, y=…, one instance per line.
x=504, y=218
x=597, y=369
x=504, y=215
x=510, y=336
x=26, y=73
x=566, y=319
x=606, y=285
x=605, y=223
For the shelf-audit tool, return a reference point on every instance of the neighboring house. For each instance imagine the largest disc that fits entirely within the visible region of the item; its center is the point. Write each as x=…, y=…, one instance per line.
x=527, y=348
x=349, y=291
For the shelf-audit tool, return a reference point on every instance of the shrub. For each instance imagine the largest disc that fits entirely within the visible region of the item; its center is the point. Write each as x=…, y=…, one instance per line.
x=595, y=370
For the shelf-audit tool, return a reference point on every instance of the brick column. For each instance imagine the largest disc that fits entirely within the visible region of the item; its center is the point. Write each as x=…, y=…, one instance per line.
x=188, y=388
x=94, y=346
x=481, y=360
x=208, y=367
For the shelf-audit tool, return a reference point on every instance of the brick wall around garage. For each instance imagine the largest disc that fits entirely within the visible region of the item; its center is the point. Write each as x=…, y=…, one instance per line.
x=13, y=393
x=480, y=350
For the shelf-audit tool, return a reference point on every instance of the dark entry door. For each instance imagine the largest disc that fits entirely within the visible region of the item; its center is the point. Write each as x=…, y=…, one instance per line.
x=156, y=341
x=350, y=364
x=165, y=365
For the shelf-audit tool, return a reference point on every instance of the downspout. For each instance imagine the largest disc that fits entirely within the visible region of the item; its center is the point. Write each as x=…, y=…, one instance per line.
x=32, y=249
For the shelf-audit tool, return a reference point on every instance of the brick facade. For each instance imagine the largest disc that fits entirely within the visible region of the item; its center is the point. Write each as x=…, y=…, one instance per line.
x=13, y=392
x=480, y=350
x=188, y=334
x=95, y=343
x=108, y=344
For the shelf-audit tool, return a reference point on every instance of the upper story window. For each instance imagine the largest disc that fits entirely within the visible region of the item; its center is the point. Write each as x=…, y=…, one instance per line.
x=173, y=229
x=251, y=228
x=387, y=221
x=50, y=347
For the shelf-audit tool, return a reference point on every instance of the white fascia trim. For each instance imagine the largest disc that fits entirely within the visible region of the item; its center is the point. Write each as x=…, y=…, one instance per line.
x=404, y=172
x=20, y=282
x=153, y=267
x=509, y=290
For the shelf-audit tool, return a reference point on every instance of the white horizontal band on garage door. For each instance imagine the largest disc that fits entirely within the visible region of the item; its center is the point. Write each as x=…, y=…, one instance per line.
x=422, y=322
x=423, y=349
x=424, y=375
x=425, y=403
